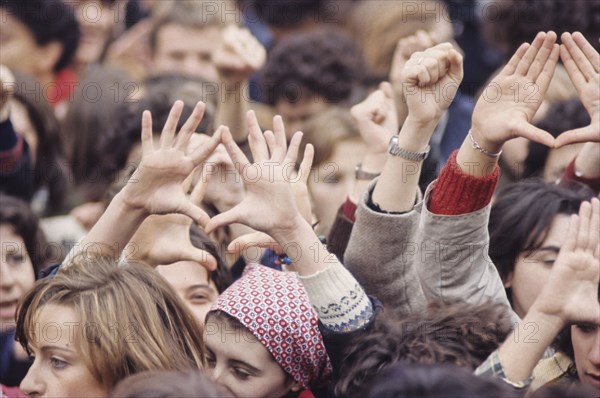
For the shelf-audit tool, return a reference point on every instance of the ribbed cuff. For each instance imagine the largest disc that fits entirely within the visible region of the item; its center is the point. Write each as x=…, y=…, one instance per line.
x=340, y=302
x=349, y=209
x=456, y=192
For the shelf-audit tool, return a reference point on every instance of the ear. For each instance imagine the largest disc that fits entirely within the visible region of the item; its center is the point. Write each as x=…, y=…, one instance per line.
x=294, y=386
x=509, y=279
x=49, y=56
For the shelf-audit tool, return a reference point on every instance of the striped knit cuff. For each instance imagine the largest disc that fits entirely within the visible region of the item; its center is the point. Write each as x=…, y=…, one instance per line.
x=341, y=303
x=456, y=192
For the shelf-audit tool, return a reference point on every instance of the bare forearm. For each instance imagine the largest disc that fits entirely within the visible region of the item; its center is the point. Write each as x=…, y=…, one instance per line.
x=113, y=230
x=474, y=162
x=397, y=187
x=526, y=345
x=303, y=246
x=232, y=108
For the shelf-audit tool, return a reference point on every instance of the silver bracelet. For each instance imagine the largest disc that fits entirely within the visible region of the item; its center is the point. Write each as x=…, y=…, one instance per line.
x=482, y=150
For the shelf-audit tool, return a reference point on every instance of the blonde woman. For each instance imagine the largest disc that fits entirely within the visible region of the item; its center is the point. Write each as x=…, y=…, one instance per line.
x=93, y=324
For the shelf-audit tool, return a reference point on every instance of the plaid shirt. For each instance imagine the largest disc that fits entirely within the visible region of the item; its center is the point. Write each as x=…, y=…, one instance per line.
x=552, y=368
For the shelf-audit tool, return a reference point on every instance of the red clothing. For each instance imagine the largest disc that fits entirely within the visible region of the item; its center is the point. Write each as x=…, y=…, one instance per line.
x=63, y=87
x=569, y=175
x=456, y=192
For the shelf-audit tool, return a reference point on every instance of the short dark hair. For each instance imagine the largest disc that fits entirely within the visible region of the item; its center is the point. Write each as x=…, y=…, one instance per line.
x=221, y=276
x=17, y=214
x=522, y=214
x=325, y=62
x=48, y=21
x=510, y=23
x=408, y=380
x=455, y=333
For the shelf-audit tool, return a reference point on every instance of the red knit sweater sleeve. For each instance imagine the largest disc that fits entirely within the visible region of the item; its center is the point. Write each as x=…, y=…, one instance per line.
x=457, y=193
x=570, y=175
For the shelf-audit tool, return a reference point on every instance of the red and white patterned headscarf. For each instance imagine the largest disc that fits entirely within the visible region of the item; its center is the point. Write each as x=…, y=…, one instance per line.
x=274, y=307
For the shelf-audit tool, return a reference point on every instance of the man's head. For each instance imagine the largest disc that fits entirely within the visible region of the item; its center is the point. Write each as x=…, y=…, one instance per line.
x=39, y=37
x=184, y=39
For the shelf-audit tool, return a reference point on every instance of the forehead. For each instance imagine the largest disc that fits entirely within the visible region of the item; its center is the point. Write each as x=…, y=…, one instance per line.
x=55, y=324
x=8, y=235
x=184, y=273
x=557, y=231
x=172, y=37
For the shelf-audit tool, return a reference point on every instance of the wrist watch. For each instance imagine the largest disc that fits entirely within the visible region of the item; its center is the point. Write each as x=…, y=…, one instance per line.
x=360, y=174
x=395, y=150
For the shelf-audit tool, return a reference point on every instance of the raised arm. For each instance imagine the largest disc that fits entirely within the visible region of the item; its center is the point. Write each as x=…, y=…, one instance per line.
x=155, y=187
x=570, y=296
x=582, y=63
x=269, y=207
x=382, y=250
x=431, y=79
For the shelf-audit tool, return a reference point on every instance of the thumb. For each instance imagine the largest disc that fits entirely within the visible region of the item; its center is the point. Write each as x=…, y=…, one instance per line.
x=220, y=220
x=533, y=133
x=583, y=134
x=255, y=239
x=194, y=212
x=456, y=71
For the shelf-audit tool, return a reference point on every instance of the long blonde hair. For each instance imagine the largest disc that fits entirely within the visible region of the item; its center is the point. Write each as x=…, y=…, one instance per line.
x=131, y=320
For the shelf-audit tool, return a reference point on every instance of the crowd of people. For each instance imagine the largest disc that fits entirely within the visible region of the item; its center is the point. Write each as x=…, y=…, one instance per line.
x=299, y=198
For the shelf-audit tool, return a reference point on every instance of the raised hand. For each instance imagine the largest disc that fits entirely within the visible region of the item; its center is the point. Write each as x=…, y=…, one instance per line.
x=508, y=104
x=302, y=198
x=582, y=63
x=570, y=295
x=156, y=186
x=376, y=118
x=430, y=81
x=165, y=239
x=571, y=292
x=269, y=205
x=239, y=55
x=406, y=46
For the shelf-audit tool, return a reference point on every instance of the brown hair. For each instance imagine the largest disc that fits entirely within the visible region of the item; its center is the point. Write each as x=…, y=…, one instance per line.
x=168, y=384
x=326, y=129
x=158, y=332
x=459, y=333
x=189, y=14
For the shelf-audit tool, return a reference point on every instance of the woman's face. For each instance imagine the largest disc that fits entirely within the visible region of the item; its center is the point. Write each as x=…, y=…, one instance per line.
x=96, y=21
x=331, y=181
x=239, y=362
x=586, y=345
x=58, y=368
x=16, y=274
x=532, y=269
x=192, y=284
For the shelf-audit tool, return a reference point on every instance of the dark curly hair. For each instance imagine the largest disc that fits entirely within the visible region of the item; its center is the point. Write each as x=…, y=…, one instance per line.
x=508, y=24
x=522, y=214
x=324, y=62
x=408, y=380
x=48, y=21
x=159, y=94
x=457, y=333
x=17, y=214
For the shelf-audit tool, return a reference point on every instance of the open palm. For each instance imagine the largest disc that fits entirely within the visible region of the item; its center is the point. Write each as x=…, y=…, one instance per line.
x=508, y=104
x=269, y=195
